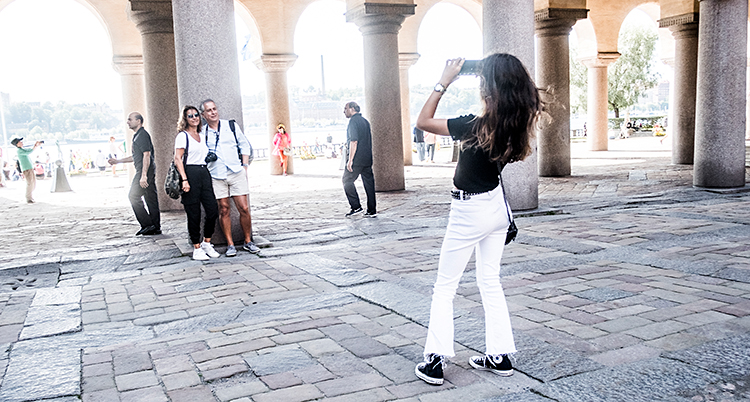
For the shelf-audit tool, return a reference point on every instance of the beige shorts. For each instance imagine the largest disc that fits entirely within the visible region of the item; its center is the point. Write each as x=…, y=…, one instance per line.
x=235, y=184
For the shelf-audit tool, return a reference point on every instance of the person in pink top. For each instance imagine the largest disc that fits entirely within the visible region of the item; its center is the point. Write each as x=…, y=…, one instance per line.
x=282, y=146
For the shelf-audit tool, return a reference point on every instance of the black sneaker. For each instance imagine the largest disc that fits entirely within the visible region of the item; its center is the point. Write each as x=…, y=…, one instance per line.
x=503, y=367
x=369, y=214
x=354, y=211
x=431, y=370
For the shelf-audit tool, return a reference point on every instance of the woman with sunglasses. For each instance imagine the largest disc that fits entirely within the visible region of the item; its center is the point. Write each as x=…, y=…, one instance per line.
x=479, y=216
x=197, y=189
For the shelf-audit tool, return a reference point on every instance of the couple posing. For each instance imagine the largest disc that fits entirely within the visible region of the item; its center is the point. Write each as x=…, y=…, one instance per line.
x=212, y=160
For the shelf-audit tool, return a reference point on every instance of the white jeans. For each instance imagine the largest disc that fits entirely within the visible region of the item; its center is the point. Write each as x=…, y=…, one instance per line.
x=479, y=223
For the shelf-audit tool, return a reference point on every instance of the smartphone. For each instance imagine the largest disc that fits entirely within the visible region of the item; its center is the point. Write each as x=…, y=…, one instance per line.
x=470, y=67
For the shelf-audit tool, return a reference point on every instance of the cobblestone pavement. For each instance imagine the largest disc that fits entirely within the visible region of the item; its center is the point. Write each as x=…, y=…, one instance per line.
x=627, y=284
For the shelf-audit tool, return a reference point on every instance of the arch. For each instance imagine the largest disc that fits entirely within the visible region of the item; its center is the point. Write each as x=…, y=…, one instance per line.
x=124, y=38
x=607, y=18
x=407, y=38
x=276, y=22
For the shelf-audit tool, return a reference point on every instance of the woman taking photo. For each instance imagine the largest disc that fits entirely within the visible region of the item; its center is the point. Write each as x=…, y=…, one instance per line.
x=190, y=153
x=281, y=146
x=479, y=215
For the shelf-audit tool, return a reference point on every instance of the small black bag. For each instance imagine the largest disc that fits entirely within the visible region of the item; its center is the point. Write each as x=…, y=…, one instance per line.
x=512, y=228
x=512, y=232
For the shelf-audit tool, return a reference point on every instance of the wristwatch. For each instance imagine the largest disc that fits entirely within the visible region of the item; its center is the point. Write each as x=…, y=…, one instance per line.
x=440, y=88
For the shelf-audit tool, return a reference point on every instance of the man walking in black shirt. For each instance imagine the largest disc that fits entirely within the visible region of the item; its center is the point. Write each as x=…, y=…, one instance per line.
x=143, y=187
x=359, y=138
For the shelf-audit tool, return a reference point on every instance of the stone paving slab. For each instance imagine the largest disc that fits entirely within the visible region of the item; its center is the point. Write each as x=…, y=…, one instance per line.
x=626, y=284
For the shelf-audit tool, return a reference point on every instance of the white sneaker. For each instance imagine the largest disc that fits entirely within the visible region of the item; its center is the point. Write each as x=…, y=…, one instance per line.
x=209, y=249
x=199, y=254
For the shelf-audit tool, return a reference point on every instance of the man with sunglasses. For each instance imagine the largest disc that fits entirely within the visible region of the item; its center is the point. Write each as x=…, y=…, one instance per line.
x=143, y=187
x=229, y=173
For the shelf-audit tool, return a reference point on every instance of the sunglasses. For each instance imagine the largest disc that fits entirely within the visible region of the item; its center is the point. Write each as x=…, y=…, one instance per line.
x=190, y=116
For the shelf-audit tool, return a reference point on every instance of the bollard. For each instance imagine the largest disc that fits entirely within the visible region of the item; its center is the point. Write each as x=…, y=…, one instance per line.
x=60, y=181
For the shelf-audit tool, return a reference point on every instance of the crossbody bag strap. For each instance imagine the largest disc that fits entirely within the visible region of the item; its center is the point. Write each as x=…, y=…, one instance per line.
x=187, y=145
x=505, y=199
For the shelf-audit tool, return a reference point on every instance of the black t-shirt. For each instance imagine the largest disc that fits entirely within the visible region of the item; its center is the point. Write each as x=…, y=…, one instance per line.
x=475, y=173
x=359, y=130
x=142, y=143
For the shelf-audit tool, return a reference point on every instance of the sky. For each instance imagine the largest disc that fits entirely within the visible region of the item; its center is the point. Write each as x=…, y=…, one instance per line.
x=58, y=50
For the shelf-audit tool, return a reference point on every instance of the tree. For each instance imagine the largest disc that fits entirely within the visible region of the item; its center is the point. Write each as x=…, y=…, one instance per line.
x=628, y=78
x=632, y=74
x=579, y=80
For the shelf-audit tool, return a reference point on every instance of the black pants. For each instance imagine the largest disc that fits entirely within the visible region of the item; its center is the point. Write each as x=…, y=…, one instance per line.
x=368, y=180
x=201, y=194
x=138, y=195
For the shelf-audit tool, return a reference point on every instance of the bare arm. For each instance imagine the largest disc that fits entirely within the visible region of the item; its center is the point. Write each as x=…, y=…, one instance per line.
x=127, y=159
x=426, y=120
x=178, y=153
x=352, y=151
x=144, y=171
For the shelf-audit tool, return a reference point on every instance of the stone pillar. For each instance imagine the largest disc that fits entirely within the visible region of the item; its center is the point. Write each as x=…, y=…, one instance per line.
x=682, y=126
x=508, y=27
x=130, y=69
x=277, y=101
x=206, y=52
x=553, y=71
x=379, y=24
x=598, y=122
x=747, y=108
x=154, y=21
x=406, y=60
x=207, y=67
x=720, y=110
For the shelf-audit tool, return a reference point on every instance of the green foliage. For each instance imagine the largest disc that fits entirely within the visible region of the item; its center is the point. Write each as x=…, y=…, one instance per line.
x=579, y=82
x=628, y=78
x=455, y=102
x=345, y=94
x=61, y=118
x=632, y=74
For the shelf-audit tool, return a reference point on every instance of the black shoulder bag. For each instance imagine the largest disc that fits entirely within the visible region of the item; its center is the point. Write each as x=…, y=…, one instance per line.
x=173, y=183
x=512, y=229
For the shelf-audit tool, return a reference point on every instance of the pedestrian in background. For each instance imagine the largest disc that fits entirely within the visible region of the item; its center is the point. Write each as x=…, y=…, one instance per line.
x=430, y=139
x=479, y=216
x=282, y=146
x=143, y=187
x=419, y=142
x=27, y=168
x=359, y=161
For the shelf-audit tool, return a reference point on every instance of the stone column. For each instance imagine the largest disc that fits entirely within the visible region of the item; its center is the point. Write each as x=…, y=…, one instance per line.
x=682, y=126
x=154, y=21
x=206, y=52
x=553, y=71
x=598, y=122
x=379, y=24
x=130, y=69
x=277, y=101
x=406, y=60
x=720, y=109
x=508, y=27
x=747, y=108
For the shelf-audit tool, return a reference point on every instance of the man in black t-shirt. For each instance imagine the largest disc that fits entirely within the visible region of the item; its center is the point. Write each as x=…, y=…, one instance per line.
x=143, y=187
x=359, y=139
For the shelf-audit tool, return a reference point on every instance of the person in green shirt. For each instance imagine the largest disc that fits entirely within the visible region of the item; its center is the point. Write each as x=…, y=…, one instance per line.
x=27, y=168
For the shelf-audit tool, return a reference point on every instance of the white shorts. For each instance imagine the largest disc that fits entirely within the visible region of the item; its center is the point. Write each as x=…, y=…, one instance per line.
x=235, y=184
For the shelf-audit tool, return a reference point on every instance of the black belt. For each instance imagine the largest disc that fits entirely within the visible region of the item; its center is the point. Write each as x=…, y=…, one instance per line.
x=463, y=195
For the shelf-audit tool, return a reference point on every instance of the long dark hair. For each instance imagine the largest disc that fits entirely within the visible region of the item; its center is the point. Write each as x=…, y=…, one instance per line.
x=512, y=104
x=182, y=124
